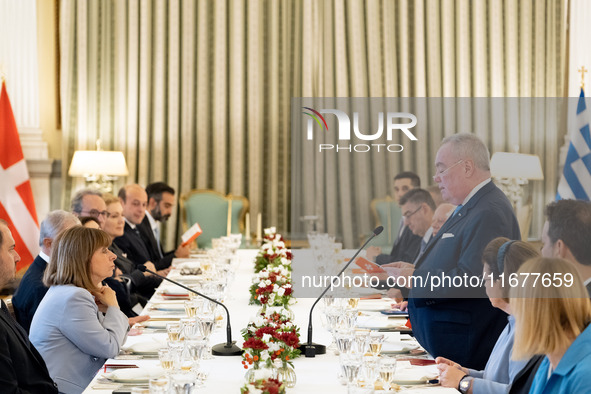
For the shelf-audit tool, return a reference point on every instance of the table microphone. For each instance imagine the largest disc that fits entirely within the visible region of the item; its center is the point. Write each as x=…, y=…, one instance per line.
x=311, y=349
x=221, y=349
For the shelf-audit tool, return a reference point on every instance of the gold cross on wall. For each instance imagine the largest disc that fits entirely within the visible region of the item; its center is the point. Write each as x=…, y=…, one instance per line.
x=582, y=70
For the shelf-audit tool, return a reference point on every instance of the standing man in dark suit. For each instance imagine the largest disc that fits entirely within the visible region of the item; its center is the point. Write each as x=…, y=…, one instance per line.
x=566, y=234
x=31, y=289
x=160, y=204
x=22, y=370
x=134, y=200
x=406, y=246
x=459, y=321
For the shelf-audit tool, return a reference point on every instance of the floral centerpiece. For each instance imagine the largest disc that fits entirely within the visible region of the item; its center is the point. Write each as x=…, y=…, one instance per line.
x=273, y=252
x=263, y=386
x=272, y=287
x=271, y=341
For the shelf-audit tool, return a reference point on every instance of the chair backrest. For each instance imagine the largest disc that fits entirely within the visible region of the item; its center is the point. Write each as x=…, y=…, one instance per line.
x=386, y=213
x=210, y=209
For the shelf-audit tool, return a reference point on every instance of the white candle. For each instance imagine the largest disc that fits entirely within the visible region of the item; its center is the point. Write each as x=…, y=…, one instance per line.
x=259, y=227
x=229, y=225
x=247, y=225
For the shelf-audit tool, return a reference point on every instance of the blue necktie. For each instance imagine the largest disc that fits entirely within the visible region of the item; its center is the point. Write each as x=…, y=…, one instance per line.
x=458, y=208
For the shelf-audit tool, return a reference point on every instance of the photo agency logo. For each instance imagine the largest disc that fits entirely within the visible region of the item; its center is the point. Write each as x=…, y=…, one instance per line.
x=396, y=122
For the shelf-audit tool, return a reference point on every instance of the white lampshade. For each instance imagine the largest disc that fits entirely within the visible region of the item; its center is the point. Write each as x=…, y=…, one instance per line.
x=98, y=162
x=516, y=165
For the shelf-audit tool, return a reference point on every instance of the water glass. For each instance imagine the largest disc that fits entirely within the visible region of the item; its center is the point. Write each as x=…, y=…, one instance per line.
x=159, y=385
x=387, y=369
x=183, y=382
x=376, y=339
x=174, y=331
x=351, y=364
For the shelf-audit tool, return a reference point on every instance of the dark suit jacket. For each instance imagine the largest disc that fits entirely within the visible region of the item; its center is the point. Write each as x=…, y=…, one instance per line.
x=406, y=248
x=30, y=292
x=154, y=249
x=133, y=246
x=460, y=323
x=141, y=285
x=22, y=370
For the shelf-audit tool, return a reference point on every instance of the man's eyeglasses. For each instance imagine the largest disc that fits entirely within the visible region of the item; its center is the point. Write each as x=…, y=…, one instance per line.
x=441, y=173
x=94, y=213
x=408, y=215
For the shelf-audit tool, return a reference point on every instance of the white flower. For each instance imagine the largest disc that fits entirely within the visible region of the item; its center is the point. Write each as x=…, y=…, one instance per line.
x=257, y=320
x=262, y=284
x=266, y=338
x=280, y=292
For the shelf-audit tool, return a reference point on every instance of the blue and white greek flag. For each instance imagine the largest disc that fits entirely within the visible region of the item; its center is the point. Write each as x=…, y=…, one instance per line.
x=575, y=182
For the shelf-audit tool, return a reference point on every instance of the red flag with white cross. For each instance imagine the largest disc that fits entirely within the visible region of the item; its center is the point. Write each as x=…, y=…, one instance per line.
x=17, y=206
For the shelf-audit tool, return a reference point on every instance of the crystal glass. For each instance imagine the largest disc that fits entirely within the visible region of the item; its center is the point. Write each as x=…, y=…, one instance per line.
x=183, y=382
x=174, y=331
x=159, y=385
x=376, y=339
x=166, y=358
x=387, y=369
x=351, y=364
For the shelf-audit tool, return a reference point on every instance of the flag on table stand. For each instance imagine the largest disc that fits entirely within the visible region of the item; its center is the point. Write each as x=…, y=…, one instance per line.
x=575, y=182
x=17, y=206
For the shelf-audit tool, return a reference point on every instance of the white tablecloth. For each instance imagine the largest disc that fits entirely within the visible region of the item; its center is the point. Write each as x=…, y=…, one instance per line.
x=226, y=374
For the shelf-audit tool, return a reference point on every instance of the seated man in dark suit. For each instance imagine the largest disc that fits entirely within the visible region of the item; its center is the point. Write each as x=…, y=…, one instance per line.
x=160, y=204
x=22, y=368
x=406, y=246
x=458, y=322
x=566, y=234
x=134, y=201
x=31, y=289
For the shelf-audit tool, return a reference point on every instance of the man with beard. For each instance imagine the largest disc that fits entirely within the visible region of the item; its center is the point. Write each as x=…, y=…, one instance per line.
x=161, y=202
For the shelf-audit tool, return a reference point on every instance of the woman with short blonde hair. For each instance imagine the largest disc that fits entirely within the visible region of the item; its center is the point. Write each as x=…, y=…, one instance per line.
x=78, y=324
x=553, y=320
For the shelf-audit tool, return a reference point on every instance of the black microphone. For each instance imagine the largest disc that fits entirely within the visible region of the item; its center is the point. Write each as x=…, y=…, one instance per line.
x=311, y=349
x=221, y=349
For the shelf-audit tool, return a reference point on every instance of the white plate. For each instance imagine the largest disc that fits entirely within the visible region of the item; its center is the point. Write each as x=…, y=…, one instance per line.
x=375, y=322
x=398, y=347
x=374, y=305
x=135, y=375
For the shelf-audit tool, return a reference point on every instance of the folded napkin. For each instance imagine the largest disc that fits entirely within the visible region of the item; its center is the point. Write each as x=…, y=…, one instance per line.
x=151, y=347
x=398, y=347
x=136, y=374
x=409, y=374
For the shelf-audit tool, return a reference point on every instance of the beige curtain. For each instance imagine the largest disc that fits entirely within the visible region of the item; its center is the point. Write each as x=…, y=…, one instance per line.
x=197, y=93
x=434, y=48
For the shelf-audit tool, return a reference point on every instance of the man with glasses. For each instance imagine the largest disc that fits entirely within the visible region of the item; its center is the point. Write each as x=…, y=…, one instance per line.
x=89, y=202
x=406, y=246
x=455, y=319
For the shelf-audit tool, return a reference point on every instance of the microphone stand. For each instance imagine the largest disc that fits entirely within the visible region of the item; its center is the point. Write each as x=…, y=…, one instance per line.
x=221, y=349
x=311, y=349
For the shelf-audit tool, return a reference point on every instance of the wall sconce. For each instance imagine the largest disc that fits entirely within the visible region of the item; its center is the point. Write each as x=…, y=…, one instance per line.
x=514, y=170
x=100, y=168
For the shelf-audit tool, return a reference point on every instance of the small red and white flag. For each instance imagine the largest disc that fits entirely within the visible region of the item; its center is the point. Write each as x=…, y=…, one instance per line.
x=17, y=206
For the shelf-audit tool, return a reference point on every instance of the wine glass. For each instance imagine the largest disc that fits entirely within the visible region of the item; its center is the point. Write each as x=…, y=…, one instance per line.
x=376, y=339
x=387, y=370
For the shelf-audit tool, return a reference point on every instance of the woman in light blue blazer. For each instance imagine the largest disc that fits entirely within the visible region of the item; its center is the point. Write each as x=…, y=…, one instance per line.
x=78, y=325
x=553, y=318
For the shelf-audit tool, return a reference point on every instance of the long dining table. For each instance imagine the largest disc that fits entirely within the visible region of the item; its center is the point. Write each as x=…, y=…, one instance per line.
x=226, y=374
